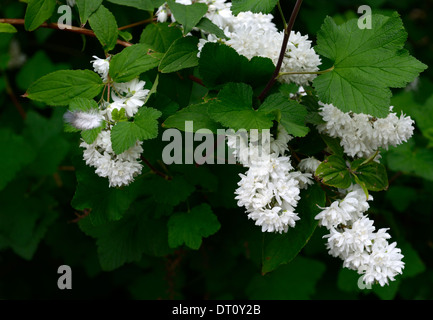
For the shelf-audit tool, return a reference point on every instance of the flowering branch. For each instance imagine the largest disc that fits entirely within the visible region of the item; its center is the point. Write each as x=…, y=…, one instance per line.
x=287, y=32
x=62, y=27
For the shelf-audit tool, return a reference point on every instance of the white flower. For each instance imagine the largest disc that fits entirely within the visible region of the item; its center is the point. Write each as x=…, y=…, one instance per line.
x=101, y=66
x=309, y=165
x=119, y=169
x=129, y=96
x=362, y=135
x=84, y=120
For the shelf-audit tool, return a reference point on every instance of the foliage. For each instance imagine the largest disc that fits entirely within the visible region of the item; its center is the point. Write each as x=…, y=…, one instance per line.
x=176, y=231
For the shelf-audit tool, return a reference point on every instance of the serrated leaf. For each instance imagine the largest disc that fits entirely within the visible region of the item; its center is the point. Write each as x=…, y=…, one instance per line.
x=16, y=153
x=125, y=241
x=190, y=227
x=233, y=109
x=106, y=204
x=125, y=134
x=280, y=249
x=132, y=62
x=219, y=64
x=334, y=172
x=187, y=15
x=367, y=63
x=290, y=114
x=37, y=12
x=198, y=113
x=182, y=54
x=372, y=176
x=255, y=6
x=60, y=87
x=160, y=36
x=104, y=24
x=82, y=104
x=89, y=136
x=7, y=28
x=86, y=8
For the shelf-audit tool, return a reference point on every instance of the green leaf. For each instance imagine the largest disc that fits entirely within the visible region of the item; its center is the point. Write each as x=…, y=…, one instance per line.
x=289, y=113
x=160, y=36
x=86, y=8
x=60, y=87
x=89, y=136
x=125, y=35
x=255, y=6
x=132, y=62
x=182, y=54
x=190, y=227
x=208, y=26
x=38, y=11
x=169, y=192
x=106, y=204
x=125, y=134
x=47, y=139
x=219, y=64
x=411, y=159
x=198, y=113
x=187, y=15
x=125, y=241
x=333, y=144
x=83, y=104
x=280, y=249
x=146, y=5
x=104, y=24
x=371, y=176
x=16, y=153
x=24, y=218
x=334, y=172
x=7, y=28
x=294, y=281
x=367, y=63
x=233, y=109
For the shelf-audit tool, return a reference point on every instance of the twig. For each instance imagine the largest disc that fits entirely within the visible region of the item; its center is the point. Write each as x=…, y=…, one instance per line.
x=154, y=170
x=137, y=24
x=14, y=99
x=62, y=27
x=287, y=32
x=197, y=80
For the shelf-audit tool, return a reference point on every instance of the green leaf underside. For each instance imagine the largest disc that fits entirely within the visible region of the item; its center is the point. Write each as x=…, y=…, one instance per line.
x=255, y=6
x=104, y=24
x=233, y=109
x=219, y=64
x=208, y=26
x=86, y=8
x=190, y=227
x=367, y=63
x=188, y=15
x=280, y=249
x=37, y=12
x=290, y=114
x=60, y=87
x=132, y=62
x=334, y=172
x=125, y=134
x=182, y=54
x=197, y=113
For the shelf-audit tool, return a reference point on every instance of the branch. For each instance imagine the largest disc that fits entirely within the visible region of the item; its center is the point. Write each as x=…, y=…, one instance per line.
x=287, y=32
x=62, y=27
x=154, y=170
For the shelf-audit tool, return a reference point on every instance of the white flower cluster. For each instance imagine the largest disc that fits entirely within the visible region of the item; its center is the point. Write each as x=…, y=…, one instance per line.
x=218, y=12
x=255, y=35
x=353, y=238
x=120, y=169
x=362, y=135
x=269, y=190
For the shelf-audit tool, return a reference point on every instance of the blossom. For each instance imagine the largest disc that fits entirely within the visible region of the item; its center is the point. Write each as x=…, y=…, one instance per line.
x=101, y=66
x=361, y=134
x=129, y=96
x=120, y=169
